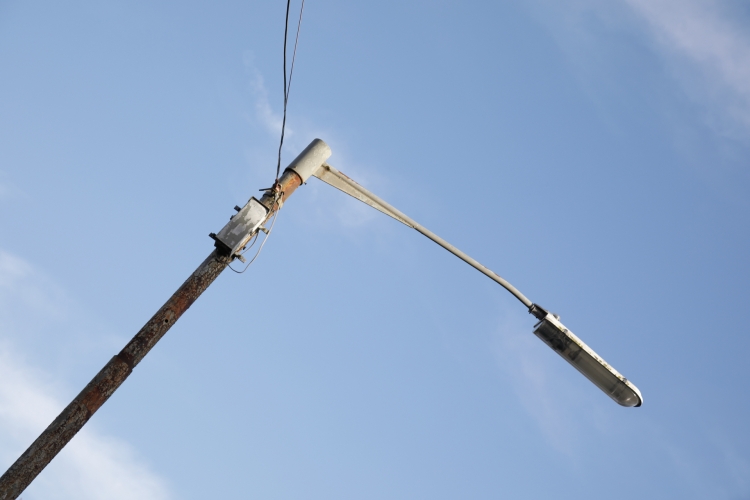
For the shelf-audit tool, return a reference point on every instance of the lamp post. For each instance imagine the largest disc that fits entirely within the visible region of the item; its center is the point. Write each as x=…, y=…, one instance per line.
x=230, y=241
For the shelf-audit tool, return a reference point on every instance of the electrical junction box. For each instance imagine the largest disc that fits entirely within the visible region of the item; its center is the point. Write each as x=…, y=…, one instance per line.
x=243, y=225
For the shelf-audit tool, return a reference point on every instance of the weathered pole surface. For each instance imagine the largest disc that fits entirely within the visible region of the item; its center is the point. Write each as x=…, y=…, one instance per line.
x=105, y=383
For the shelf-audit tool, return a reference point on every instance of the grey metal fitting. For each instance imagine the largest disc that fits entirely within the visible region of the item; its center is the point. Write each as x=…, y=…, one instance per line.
x=311, y=159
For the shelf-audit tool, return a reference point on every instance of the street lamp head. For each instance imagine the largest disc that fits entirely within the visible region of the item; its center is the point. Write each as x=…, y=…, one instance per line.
x=585, y=360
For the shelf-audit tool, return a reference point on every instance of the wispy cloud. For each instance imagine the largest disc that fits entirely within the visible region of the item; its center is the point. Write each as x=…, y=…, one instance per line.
x=703, y=33
x=94, y=465
x=544, y=393
x=349, y=212
x=703, y=43
x=21, y=286
x=573, y=417
x=8, y=190
x=264, y=113
x=736, y=465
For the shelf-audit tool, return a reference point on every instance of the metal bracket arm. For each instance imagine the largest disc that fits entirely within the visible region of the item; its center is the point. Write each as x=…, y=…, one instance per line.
x=333, y=177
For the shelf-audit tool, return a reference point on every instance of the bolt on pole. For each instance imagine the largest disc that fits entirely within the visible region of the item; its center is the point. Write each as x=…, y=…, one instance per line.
x=229, y=242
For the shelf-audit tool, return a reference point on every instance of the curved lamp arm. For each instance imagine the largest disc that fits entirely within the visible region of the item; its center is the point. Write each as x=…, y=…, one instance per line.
x=549, y=328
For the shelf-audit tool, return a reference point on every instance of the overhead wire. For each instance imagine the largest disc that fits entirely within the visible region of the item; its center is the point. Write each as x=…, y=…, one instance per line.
x=288, y=84
x=287, y=87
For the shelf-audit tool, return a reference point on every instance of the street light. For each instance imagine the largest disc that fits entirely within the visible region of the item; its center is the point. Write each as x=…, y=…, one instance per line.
x=230, y=243
x=549, y=328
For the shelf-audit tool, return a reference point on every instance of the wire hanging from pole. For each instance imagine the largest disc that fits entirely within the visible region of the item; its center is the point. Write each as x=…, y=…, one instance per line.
x=288, y=85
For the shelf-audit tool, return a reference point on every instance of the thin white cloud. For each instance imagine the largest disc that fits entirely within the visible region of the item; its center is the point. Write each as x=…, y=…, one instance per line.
x=736, y=465
x=264, y=113
x=21, y=286
x=702, y=43
x=8, y=190
x=537, y=380
x=704, y=33
x=568, y=410
x=93, y=465
x=349, y=212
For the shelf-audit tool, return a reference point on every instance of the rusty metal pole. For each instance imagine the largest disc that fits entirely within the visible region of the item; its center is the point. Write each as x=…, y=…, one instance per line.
x=105, y=383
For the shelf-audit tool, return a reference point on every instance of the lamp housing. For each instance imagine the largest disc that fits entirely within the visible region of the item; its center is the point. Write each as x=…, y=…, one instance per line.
x=585, y=360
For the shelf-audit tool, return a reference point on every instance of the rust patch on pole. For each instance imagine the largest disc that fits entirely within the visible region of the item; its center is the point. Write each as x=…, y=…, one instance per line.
x=106, y=382
x=288, y=183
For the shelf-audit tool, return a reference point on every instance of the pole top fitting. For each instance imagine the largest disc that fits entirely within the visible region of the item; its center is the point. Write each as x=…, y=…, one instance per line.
x=311, y=159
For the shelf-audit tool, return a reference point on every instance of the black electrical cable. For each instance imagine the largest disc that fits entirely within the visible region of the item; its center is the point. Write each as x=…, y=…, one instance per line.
x=288, y=85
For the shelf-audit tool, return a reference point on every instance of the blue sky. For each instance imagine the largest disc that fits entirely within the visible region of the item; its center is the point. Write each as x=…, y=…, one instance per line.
x=595, y=154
